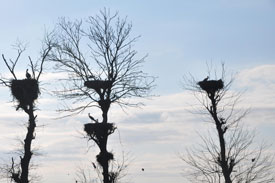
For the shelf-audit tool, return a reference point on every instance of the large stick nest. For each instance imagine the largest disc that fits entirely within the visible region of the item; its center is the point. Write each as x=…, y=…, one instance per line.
x=211, y=86
x=25, y=91
x=104, y=157
x=99, y=130
x=98, y=84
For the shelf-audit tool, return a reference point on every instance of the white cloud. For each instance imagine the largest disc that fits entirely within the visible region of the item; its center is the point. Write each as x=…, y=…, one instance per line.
x=53, y=76
x=259, y=96
x=257, y=78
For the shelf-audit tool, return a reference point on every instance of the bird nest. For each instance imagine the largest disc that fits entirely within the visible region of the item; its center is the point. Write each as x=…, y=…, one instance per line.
x=104, y=157
x=98, y=84
x=211, y=86
x=98, y=131
x=25, y=91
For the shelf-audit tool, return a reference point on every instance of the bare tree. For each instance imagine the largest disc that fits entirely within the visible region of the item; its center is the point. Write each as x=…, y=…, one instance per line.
x=228, y=155
x=109, y=72
x=118, y=169
x=25, y=92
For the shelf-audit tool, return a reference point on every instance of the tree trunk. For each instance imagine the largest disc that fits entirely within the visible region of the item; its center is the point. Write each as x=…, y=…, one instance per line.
x=104, y=162
x=105, y=173
x=105, y=105
x=222, y=159
x=25, y=161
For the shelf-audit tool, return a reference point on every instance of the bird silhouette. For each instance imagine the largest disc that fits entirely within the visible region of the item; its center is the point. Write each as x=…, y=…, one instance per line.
x=28, y=75
x=205, y=79
x=92, y=118
x=94, y=165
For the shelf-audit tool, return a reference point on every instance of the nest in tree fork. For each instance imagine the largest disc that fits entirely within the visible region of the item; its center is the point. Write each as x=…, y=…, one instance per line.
x=99, y=130
x=25, y=91
x=104, y=157
x=98, y=84
x=211, y=86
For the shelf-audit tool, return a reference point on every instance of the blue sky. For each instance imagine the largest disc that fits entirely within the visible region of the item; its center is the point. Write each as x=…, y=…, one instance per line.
x=180, y=37
x=184, y=34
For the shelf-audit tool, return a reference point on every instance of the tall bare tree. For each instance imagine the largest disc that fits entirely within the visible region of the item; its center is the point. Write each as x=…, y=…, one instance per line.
x=118, y=169
x=228, y=155
x=102, y=69
x=25, y=92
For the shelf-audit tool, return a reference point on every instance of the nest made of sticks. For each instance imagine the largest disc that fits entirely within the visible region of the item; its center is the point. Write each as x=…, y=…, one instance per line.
x=98, y=84
x=211, y=86
x=104, y=157
x=99, y=130
x=25, y=91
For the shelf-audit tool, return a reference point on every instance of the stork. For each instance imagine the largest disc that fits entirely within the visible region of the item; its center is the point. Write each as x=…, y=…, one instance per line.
x=92, y=118
x=205, y=79
x=28, y=75
x=94, y=165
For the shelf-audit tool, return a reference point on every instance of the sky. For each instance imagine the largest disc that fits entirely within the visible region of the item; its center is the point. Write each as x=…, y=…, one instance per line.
x=180, y=37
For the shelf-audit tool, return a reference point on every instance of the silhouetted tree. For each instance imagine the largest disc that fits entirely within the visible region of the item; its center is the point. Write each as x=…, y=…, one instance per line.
x=118, y=169
x=229, y=155
x=108, y=73
x=25, y=92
